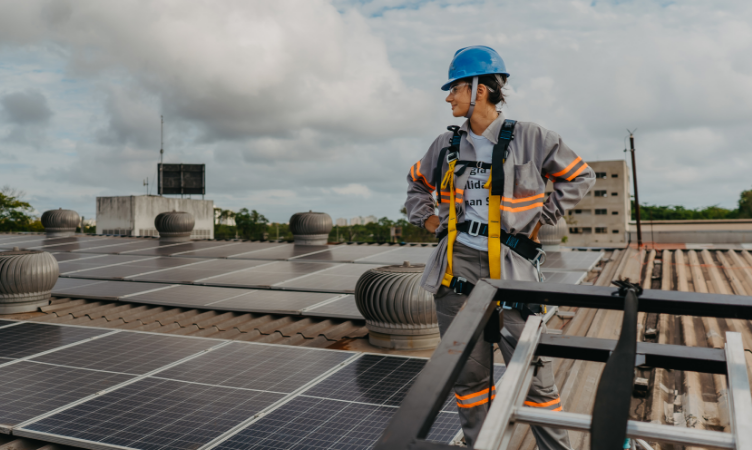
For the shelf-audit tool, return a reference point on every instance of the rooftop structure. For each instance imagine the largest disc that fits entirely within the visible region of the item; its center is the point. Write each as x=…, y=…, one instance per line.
x=134, y=215
x=279, y=293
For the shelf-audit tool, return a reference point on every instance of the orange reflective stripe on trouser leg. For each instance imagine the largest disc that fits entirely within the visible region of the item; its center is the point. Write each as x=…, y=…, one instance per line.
x=552, y=405
x=475, y=399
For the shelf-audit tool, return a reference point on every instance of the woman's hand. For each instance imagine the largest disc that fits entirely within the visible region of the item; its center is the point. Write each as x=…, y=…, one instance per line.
x=432, y=223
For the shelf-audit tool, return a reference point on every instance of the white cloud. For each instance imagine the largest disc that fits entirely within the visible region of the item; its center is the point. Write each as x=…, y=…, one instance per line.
x=310, y=105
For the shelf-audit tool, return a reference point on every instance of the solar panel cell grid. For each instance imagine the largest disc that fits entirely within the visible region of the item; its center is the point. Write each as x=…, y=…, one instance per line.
x=347, y=253
x=416, y=255
x=141, y=266
x=28, y=339
x=341, y=278
x=266, y=275
x=253, y=366
x=131, y=353
x=4, y=323
x=282, y=252
x=109, y=290
x=188, y=296
x=167, y=250
x=572, y=261
x=64, y=256
x=29, y=389
x=208, y=268
x=232, y=249
x=564, y=277
x=153, y=414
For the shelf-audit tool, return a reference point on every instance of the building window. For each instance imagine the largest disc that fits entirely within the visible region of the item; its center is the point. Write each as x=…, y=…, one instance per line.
x=601, y=230
x=577, y=211
x=574, y=231
x=587, y=230
x=601, y=193
x=600, y=212
x=614, y=194
x=614, y=175
x=614, y=213
x=601, y=174
x=615, y=231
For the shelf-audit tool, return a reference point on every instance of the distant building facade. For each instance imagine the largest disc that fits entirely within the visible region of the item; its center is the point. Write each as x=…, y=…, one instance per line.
x=220, y=219
x=602, y=216
x=369, y=219
x=134, y=215
x=356, y=221
x=341, y=222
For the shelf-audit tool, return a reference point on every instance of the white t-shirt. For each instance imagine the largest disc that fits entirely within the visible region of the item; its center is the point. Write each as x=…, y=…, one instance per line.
x=476, y=196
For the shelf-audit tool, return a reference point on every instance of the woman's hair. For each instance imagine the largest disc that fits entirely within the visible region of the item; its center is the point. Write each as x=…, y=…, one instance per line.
x=495, y=83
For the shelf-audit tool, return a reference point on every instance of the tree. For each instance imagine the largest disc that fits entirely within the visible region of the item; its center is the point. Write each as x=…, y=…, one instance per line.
x=251, y=225
x=745, y=205
x=13, y=210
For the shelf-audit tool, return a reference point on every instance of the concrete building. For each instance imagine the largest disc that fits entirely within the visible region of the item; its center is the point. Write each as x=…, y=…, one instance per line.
x=602, y=217
x=356, y=221
x=369, y=219
x=134, y=215
x=341, y=222
x=220, y=219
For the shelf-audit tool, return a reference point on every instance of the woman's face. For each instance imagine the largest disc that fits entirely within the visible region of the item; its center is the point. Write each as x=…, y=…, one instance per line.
x=459, y=98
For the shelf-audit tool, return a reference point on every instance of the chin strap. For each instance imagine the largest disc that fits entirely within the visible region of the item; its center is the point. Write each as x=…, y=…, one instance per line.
x=473, y=94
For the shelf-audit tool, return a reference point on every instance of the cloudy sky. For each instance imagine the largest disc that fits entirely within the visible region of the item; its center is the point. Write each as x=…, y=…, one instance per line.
x=324, y=105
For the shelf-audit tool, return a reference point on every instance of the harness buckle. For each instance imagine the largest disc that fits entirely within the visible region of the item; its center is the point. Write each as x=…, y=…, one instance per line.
x=540, y=258
x=474, y=228
x=479, y=164
x=459, y=283
x=452, y=156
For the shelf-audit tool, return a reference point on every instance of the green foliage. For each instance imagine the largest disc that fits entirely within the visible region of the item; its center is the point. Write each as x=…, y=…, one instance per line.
x=14, y=212
x=745, y=205
x=380, y=231
x=250, y=225
x=225, y=232
x=715, y=212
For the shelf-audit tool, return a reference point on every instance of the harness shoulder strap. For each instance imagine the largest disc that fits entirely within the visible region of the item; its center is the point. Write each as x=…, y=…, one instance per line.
x=500, y=153
x=451, y=152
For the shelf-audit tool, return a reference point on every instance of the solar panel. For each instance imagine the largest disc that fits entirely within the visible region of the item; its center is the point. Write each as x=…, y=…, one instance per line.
x=153, y=414
x=282, y=252
x=314, y=423
x=82, y=244
x=564, y=277
x=255, y=366
x=344, y=308
x=187, y=296
x=347, y=253
x=416, y=255
x=29, y=389
x=107, y=290
x=168, y=250
x=209, y=268
x=4, y=323
x=64, y=256
x=341, y=278
x=142, y=266
x=272, y=302
x=30, y=338
x=96, y=261
x=572, y=261
x=131, y=353
x=266, y=275
x=63, y=285
x=129, y=245
x=235, y=248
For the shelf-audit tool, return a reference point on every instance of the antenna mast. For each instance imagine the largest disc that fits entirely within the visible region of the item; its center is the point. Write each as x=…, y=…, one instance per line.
x=161, y=140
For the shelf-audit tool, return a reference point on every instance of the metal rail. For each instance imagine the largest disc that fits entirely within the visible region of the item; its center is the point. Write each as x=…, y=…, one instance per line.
x=412, y=422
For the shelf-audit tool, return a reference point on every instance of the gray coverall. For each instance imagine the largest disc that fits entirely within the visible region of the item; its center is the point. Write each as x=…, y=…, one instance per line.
x=535, y=155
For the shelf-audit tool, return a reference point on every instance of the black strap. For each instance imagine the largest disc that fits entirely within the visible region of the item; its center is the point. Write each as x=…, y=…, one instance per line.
x=447, y=153
x=614, y=394
x=500, y=152
x=519, y=243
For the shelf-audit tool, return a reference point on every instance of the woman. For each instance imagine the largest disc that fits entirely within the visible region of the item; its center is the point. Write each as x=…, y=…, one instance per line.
x=490, y=176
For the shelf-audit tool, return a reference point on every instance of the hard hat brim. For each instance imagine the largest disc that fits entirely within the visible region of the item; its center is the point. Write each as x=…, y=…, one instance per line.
x=448, y=84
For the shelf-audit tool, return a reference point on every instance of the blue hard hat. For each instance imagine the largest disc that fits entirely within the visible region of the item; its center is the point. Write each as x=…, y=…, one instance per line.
x=474, y=61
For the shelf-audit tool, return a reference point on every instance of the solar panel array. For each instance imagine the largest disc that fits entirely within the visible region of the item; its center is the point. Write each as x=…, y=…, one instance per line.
x=262, y=277
x=127, y=389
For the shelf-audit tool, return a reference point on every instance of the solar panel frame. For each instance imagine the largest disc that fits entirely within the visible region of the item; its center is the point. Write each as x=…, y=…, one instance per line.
x=341, y=278
x=5, y=323
x=29, y=389
x=127, y=352
x=264, y=367
x=67, y=256
x=282, y=252
x=187, y=296
x=414, y=254
x=272, y=301
x=129, y=245
x=347, y=253
x=30, y=338
x=266, y=275
x=563, y=277
x=131, y=269
x=341, y=308
x=169, y=250
x=189, y=274
x=232, y=249
x=572, y=261
x=192, y=416
x=109, y=290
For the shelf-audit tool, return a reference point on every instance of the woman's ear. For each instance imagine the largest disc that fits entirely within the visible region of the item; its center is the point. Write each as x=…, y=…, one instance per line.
x=482, y=92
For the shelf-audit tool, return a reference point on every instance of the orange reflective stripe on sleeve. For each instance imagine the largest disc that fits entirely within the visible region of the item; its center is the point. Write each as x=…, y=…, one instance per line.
x=574, y=175
x=567, y=169
x=526, y=199
x=521, y=208
x=412, y=172
x=422, y=177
